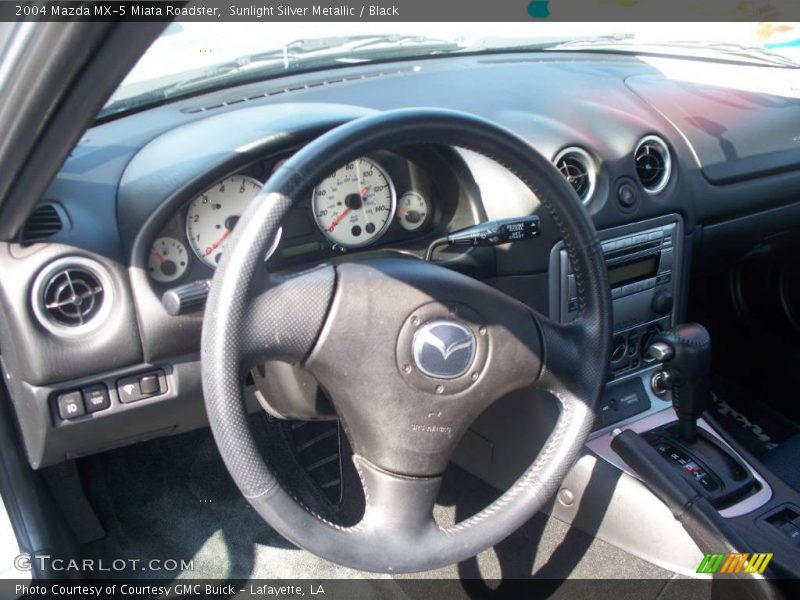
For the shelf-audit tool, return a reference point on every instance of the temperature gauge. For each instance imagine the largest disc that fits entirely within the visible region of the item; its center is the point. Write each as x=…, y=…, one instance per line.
x=167, y=260
x=412, y=210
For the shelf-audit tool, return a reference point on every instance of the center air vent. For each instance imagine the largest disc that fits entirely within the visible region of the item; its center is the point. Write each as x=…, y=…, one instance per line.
x=71, y=296
x=578, y=168
x=653, y=164
x=45, y=221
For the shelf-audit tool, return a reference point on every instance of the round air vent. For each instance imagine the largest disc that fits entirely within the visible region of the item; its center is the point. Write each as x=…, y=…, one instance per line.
x=653, y=164
x=71, y=296
x=578, y=168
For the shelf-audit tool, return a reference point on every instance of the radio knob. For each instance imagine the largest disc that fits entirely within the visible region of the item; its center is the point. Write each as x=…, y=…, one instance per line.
x=662, y=303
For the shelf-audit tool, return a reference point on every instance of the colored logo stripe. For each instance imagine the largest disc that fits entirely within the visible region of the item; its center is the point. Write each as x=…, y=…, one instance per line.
x=710, y=563
x=734, y=563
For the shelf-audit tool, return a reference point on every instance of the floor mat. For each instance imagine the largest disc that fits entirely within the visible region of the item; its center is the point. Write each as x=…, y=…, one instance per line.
x=172, y=498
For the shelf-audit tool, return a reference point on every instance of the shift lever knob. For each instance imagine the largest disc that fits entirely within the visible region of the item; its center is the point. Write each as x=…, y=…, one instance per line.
x=685, y=353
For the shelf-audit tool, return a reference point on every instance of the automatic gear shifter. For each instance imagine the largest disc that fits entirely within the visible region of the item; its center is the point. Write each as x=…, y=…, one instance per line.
x=709, y=465
x=685, y=354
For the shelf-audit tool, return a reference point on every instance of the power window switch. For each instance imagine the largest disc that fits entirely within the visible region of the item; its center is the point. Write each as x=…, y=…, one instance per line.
x=70, y=405
x=96, y=398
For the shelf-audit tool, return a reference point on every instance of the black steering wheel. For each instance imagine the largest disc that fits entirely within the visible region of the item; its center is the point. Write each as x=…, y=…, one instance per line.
x=409, y=353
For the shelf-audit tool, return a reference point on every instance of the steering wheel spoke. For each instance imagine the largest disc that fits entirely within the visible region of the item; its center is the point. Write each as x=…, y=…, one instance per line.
x=398, y=508
x=564, y=359
x=268, y=332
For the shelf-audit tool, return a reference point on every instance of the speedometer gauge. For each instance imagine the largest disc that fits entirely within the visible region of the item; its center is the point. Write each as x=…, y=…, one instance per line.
x=214, y=213
x=354, y=206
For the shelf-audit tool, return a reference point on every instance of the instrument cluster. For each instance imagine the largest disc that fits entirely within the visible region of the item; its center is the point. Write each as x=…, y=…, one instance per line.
x=383, y=200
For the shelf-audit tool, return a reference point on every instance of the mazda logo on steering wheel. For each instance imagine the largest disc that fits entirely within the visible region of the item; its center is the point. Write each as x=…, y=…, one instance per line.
x=444, y=349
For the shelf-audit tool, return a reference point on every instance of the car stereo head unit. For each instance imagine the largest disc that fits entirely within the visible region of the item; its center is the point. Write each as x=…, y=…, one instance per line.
x=643, y=273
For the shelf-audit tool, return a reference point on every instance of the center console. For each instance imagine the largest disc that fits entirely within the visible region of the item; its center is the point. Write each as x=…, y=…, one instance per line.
x=651, y=358
x=685, y=450
x=673, y=485
x=644, y=270
x=644, y=262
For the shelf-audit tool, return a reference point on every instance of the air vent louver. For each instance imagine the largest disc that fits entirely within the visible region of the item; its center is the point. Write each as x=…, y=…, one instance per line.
x=45, y=221
x=653, y=164
x=578, y=169
x=71, y=296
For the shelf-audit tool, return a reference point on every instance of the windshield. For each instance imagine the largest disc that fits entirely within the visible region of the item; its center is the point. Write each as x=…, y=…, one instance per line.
x=193, y=57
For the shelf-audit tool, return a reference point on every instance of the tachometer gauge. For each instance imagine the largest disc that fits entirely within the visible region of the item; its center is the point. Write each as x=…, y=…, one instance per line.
x=412, y=210
x=214, y=213
x=168, y=260
x=355, y=205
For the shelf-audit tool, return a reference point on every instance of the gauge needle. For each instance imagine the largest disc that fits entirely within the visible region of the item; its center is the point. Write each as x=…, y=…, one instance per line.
x=338, y=218
x=159, y=256
x=216, y=244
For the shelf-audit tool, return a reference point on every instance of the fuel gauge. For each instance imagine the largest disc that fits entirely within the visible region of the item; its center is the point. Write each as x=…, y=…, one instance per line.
x=412, y=210
x=168, y=260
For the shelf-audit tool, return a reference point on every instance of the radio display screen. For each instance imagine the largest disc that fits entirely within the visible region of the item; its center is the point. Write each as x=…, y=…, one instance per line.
x=633, y=271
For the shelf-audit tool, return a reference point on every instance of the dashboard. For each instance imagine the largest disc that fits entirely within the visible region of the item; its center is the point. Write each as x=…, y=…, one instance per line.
x=145, y=203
